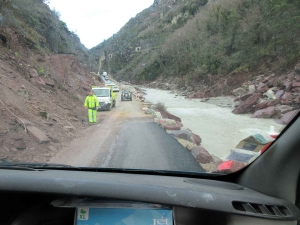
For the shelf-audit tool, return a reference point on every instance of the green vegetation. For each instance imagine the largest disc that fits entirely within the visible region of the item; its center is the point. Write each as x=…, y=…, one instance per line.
x=31, y=23
x=191, y=39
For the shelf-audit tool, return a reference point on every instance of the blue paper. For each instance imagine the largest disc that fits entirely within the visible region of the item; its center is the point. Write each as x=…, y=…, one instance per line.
x=123, y=216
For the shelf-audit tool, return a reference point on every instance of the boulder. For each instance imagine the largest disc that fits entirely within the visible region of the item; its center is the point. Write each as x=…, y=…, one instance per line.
x=156, y=114
x=197, y=139
x=251, y=89
x=286, y=98
x=247, y=105
x=287, y=117
x=264, y=113
x=267, y=103
x=270, y=94
x=262, y=87
x=48, y=81
x=288, y=85
x=168, y=122
x=187, y=144
x=239, y=91
x=171, y=127
x=230, y=166
x=270, y=83
x=291, y=76
x=283, y=108
x=33, y=73
x=201, y=155
x=279, y=93
x=150, y=111
x=297, y=99
x=296, y=89
x=182, y=134
x=296, y=84
x=168, y=115
x=39, y=135
x=244, y=97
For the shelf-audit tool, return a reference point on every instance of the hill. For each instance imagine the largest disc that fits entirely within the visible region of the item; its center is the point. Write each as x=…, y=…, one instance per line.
x=188, y=43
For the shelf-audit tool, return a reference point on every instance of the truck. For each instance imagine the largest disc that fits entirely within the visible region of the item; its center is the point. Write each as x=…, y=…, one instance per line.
x=106, y=97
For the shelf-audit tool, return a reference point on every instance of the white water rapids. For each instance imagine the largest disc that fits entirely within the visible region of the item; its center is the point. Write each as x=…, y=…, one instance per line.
x=219, y=129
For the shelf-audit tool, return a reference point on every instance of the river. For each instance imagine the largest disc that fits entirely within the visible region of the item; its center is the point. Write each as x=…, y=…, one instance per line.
x=219, y=129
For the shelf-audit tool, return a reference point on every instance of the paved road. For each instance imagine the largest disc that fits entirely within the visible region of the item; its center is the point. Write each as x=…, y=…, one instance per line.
x=127, y=138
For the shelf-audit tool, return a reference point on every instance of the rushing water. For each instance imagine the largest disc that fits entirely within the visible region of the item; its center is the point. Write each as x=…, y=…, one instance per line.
x=219, y=129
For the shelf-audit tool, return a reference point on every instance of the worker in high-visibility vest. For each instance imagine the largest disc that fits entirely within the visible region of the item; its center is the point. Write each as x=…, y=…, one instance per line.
x=91, y=103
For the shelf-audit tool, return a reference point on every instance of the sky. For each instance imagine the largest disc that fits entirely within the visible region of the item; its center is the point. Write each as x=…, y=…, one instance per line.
x=97, y=20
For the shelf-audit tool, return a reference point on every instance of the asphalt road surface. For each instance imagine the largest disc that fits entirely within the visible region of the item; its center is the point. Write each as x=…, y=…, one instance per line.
x=127, y=138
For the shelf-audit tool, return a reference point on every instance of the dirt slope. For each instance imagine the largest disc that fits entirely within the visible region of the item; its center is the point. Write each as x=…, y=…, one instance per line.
x=45, y=94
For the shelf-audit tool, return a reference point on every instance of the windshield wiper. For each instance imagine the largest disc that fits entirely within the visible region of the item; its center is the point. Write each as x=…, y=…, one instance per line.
x=31, y=165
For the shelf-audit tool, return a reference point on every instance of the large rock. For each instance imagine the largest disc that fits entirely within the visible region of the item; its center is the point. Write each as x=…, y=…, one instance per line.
x=286, y=98
x=267, y=103
x=33, y=73
x=168, y=115
x=247, y=105
x=239, y=91
x=201, y=155
x=288, y=85
x=168, y=122
x=279, y=94
x=171, y=127
x=182, y=134
x=262, y=87
x=187, y=144
x=283, y=108
x=296, y=84
x=287, y=117
x=270, y=94
x=39, y=135
x=244, y=97
x=197, y=139
x=264, y=113
x=297, y=99
x=251, y=88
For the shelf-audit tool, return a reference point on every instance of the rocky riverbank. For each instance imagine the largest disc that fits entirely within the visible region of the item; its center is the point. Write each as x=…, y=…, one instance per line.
x=264, y=96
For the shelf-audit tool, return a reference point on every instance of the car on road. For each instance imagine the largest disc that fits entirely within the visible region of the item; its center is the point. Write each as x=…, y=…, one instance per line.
x=115, y=89
x=126, y=95
x=104, y=95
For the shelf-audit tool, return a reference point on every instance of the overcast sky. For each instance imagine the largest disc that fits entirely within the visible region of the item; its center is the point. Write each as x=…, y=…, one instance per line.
x=96, y=20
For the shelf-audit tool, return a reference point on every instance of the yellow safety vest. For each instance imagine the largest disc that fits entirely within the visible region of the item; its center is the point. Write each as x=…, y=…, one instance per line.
x=91, y=101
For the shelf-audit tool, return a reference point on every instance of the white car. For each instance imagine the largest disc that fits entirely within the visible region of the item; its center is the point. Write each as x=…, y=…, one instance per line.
x=116, y=89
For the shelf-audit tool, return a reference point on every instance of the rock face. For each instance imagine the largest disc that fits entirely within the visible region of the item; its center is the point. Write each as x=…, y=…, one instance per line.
x=39, y=135
x=247, y=105
x=201, y=155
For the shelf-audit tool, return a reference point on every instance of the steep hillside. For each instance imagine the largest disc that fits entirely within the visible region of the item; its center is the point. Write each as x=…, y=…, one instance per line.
x=43, y=82
x=191, y=42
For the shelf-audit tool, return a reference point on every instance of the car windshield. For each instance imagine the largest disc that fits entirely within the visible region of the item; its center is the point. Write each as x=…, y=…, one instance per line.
x=101, y=92
x=203, y=86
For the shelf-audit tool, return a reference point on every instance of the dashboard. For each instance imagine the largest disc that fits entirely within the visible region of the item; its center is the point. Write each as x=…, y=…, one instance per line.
x=52, y=197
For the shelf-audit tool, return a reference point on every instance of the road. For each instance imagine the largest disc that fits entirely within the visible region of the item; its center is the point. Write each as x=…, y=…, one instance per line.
x=127, y=138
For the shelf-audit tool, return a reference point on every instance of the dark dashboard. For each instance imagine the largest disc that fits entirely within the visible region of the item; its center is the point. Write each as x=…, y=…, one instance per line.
x=28, y=197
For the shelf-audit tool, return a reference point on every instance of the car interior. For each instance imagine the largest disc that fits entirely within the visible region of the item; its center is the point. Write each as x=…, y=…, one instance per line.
x=265, y=192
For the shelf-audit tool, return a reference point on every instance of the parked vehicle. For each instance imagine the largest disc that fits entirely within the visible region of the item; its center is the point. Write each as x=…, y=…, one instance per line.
x=126, y=95
x=116, y=89
x=106, y=101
